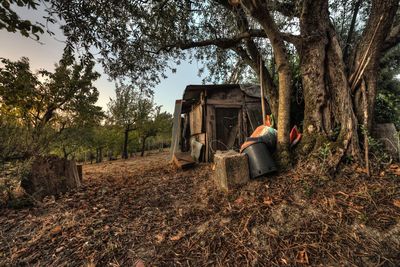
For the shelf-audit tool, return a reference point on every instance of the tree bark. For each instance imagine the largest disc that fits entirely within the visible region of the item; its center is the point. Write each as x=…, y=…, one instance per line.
x=331, y=113
x=126, y=139
x=99, y=154
x=259, y=10
x=328, y=102
x=143, y=146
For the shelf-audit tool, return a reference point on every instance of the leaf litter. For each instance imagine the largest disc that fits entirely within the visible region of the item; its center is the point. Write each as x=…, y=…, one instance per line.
x=142, y=212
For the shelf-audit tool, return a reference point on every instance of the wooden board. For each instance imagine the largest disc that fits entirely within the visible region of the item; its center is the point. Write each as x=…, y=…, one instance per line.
x=176, y=129
x=196, y=120
x=183, y=160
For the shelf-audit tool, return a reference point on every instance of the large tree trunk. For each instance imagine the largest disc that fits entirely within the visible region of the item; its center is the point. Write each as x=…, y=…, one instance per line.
x=330, y=110
x=328, y=103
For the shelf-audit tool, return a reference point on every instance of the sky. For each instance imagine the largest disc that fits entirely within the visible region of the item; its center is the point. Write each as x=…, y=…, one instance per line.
x=47, y=52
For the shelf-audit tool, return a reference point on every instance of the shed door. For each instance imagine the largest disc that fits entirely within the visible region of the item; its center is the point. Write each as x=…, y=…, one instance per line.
x=227, y=128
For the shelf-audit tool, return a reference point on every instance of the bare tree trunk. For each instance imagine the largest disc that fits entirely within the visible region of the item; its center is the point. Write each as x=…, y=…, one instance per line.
x=351, y=30
x=126, y=139
x=65, y=153
x=259, y=10
x=99, y=154
x=328, y=102
x=143, y=146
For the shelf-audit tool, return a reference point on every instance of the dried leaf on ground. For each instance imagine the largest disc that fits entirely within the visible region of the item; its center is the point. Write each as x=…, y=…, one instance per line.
x=178, y=236
x=302, y=257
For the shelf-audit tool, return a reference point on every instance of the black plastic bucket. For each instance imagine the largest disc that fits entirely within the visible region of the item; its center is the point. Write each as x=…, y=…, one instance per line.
x=260, y=159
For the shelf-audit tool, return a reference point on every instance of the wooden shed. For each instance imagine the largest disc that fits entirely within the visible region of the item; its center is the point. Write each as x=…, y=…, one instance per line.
x=215, y=117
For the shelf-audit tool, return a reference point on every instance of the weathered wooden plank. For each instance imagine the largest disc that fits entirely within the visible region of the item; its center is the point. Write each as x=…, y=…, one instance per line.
x=196, y=120
x=183, y=160
x=176, y=128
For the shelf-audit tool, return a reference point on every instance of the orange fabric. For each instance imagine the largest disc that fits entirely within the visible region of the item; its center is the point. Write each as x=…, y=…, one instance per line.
x=295, y=135
x=268, y=120
x=257, y=132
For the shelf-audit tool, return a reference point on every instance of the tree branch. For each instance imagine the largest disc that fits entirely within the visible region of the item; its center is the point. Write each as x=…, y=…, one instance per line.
x=287, y=9
x=296, y=40
x=351, y=30
x=223, y=42
x=392, y=39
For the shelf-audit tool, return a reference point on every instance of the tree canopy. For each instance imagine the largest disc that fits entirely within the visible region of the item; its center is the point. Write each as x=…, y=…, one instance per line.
x=44, y=104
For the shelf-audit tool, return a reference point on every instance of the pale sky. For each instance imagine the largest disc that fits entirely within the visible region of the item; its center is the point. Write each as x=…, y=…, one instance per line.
x=43, y=56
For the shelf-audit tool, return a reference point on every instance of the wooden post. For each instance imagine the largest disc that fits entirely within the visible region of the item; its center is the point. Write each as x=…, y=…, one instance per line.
x=262, y=92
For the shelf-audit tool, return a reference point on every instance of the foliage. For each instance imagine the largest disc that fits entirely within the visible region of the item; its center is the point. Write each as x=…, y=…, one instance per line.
x=10, y=21
x=123, y=110
x=134, y=110
x=379, y=157
x=388, y=102
x=145, y=40
x=39, y=107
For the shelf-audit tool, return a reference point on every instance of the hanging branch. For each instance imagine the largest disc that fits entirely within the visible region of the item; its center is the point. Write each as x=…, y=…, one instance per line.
x=357, y=74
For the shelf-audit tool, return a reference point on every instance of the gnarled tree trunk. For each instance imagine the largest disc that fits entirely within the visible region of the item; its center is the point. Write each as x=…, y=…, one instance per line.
x=332, y=114
x=328, y=103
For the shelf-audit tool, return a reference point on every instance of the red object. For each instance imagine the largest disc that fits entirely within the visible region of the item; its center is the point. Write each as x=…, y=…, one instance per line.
x=268, y=121
x=295, y=136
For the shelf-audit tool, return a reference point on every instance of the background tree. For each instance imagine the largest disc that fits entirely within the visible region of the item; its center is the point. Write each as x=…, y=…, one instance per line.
x=43, y=105
x=152, y=123
x=125, y=111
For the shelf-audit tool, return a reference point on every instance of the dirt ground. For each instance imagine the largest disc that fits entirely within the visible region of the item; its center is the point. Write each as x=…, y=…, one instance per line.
x=144, y=212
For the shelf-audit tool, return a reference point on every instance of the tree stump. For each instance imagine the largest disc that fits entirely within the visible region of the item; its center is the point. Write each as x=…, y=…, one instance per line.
x=50, y=176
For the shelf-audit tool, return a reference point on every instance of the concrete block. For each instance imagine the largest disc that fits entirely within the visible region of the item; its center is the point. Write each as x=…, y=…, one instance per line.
x=231, y=169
